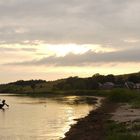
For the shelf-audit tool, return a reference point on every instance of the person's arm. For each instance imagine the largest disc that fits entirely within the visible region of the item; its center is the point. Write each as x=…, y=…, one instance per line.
x=7, y=105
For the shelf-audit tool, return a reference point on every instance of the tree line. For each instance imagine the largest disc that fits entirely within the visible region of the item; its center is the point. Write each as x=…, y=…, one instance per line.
x=94, y=82
x=71, y=83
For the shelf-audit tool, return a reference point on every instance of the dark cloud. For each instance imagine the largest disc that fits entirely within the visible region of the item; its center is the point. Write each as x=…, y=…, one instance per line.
x=70, y=21
x=88, y=58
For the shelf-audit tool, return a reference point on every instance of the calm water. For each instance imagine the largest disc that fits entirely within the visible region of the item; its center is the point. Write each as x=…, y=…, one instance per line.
x=39, y=118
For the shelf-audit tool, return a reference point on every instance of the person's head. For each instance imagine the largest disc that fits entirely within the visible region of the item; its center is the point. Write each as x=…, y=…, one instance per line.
x=3, y=101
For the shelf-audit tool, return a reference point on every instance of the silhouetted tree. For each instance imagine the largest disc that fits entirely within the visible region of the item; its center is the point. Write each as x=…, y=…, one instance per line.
x=110, y=78
x=99, y=78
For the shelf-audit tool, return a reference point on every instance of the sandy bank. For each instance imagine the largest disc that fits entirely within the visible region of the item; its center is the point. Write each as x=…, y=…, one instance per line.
x=125, y=113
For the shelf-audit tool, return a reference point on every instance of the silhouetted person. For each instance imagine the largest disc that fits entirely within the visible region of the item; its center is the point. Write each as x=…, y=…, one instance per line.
x=3, y=103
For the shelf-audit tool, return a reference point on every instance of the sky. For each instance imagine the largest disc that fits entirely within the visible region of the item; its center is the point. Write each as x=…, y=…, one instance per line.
x=54, y=39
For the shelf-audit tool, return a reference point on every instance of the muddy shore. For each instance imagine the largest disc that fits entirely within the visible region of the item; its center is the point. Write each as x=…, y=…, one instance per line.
x=92, y=126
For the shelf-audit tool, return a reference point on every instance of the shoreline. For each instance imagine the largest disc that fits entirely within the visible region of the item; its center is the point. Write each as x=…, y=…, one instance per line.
x=91, y=127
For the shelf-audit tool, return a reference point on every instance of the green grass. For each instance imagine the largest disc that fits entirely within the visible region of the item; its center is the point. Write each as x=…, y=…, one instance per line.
x=119, y=131
x=125, y=96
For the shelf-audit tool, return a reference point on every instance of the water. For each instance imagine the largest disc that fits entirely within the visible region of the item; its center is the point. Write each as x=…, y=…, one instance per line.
x=31, y=118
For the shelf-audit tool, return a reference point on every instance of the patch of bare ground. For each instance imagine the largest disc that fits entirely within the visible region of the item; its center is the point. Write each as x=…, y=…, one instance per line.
x=125, y=113
x=128, y=116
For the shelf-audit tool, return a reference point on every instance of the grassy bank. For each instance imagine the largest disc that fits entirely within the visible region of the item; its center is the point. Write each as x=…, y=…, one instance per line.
x=119, y=131
x=123, y=131
x=131, y=97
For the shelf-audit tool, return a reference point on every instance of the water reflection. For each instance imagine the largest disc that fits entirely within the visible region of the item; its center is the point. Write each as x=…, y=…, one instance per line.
x=40, y=118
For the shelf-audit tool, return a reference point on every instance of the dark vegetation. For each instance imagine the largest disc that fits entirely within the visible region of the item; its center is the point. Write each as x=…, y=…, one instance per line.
x=71, y=84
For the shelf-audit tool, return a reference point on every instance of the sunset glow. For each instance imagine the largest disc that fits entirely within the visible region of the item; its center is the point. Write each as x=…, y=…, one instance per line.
x=64, y=49
x=63, y=39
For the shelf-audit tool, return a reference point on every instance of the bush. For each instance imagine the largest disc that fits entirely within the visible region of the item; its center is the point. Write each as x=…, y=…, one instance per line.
x=123, y=95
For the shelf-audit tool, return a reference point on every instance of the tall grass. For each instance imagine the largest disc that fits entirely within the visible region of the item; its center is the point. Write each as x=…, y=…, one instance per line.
x=125, y=96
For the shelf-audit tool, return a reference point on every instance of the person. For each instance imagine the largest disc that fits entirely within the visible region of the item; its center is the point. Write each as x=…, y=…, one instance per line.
x=3, y=103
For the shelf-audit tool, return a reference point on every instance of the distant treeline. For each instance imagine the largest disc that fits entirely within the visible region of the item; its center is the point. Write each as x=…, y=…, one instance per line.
x=27, y=83
x=71, y=83
x=96, y=81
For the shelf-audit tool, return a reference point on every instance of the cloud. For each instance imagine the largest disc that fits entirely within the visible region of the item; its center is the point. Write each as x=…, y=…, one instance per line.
x=74, y=21
x=5, y=49
x=14, y=50
x=88, y=58
x=29, y=49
